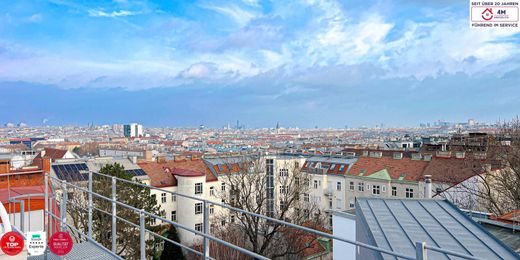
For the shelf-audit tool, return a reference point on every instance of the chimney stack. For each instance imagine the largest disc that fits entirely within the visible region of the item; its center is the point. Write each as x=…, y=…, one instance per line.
x=428, y=186
x=46, y=164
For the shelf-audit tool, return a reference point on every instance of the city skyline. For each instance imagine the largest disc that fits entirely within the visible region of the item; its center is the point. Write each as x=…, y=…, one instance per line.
x=210, y=62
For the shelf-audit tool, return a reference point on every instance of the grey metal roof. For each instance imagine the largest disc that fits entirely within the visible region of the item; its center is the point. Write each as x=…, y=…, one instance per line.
x=338, y=160
x=397, y=224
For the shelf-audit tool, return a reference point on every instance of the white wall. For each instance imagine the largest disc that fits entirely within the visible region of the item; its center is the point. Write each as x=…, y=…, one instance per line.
x=344, y=226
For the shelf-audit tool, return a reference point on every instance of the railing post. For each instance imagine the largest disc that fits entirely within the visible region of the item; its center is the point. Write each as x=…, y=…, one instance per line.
x=46, y=203
x=206, y=229
x=142, y=239
x=114, y=219
x=22, y=215
x=63, y=205
x=90, y=204
x=420, y=251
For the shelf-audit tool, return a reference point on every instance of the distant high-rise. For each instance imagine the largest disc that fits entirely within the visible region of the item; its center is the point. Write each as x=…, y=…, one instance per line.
x=133, y=130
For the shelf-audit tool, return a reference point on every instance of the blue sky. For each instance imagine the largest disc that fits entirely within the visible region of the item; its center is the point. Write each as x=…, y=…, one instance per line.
x=303, y=63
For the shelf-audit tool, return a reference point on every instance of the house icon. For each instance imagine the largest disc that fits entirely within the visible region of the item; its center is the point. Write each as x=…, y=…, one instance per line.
x=487, y=14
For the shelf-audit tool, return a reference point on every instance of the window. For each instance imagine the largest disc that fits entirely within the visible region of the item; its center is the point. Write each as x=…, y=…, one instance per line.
x=174, y=197
x=198, y=188
x=232, y=219
x=338, y=186
x=339, y=203
x=212, y=191
x=307, y=182
x=154, y=197
x=315, y=184
x=394, y=191
x=163, y=197
x=330, y=220
x=211, y=209
x=223, y=222
x=174, y=215
x=198, y=227
x=198, y=208
x=376, y=190
x=409, y=193
x=330, y=203
x=332, y=166
x=351, y=204
x=306, y=197
x=351, y=185
x=297, y=181
x=284, y=172
x=283, y=205
x=283, y=189
x=223, y=186
x=361, y=186
x=341, y=167
x=296, y=165
x=383, y=188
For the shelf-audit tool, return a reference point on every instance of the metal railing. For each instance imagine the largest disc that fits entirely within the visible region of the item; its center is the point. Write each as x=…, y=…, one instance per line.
x=421, y=247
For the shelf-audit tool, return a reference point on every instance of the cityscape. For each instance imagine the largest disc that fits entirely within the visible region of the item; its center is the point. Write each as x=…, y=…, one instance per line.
x=259, y=129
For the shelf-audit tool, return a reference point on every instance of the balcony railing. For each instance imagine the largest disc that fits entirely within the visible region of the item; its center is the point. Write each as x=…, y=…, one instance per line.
x=61, y=198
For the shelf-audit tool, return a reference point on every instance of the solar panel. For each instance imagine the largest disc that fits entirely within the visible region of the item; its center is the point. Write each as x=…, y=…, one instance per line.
x=136, y=172
x=140, y=172
x=71, y=172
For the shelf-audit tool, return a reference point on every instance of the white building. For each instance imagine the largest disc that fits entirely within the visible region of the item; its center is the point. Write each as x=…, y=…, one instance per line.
x=133, y=130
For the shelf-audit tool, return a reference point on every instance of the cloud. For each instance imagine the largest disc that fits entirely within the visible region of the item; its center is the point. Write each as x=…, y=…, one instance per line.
x=238, y=15
x=199, y=70
x=120, y=13
x=35, y=18
x=252, y=2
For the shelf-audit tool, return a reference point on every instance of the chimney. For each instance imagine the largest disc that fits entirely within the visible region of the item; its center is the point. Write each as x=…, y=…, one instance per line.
x=5, y=166
x=428, y=186
x=46, y=164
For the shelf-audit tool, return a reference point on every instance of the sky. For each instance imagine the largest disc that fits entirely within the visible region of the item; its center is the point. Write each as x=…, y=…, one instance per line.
x=301, y=63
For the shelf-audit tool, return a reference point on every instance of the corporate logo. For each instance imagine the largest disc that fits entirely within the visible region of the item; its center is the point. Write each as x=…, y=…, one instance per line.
x=487, y=14
x=12, y=243
x=60, y=243
x=36, y=243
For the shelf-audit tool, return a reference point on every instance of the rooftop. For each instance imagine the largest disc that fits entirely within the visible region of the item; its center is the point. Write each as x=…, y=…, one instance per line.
x=397, y=224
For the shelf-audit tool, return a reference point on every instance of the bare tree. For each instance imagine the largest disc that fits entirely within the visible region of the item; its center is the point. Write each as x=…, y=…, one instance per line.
x=253, y=185
x=494, y=185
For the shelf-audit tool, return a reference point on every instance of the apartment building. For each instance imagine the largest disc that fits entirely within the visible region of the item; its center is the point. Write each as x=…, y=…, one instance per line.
x=336, y=181
x=188, y=177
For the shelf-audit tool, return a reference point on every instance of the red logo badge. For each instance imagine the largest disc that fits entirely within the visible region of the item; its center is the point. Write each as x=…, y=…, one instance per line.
x=487, y=14
x=12, y=243
x=60, y=243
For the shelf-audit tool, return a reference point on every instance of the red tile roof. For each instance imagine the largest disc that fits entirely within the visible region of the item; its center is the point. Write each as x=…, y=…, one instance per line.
x=161, y=174
x=452, y=170
x=186, y=173
x=412, y=170
x=52, y=153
